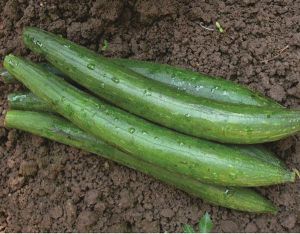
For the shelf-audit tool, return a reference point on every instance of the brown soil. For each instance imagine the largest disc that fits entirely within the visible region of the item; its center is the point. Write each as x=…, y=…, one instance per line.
x=46, y=186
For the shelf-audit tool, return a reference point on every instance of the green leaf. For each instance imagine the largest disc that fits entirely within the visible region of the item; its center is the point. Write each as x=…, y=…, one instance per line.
x=188, y=229
x=205, y=224
x=105, y=45
x=219, y=27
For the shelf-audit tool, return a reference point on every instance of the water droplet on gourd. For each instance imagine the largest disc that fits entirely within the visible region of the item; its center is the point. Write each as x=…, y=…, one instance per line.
x=115, y=79
x=199, y=87
x=38, y=43
x=156, y=138
x=147, y=92
x=214, y=89
x=187, y=115
x=100, y=106
x=228, y=192
x=181, y=144
x=131, y=130
x=173, y=76
x=232, y=175
x=13, y=63
x=144, y=132
x=91, y=66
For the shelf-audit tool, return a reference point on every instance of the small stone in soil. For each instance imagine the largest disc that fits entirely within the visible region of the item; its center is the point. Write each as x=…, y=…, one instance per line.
x=289, y=222
x=28, y=168
x=56, y=212
x=277, y=92
x=71, y=211
x=229, y=226
x=167, y=213
x=251, y=227
x=91, y=197
x=85, y=220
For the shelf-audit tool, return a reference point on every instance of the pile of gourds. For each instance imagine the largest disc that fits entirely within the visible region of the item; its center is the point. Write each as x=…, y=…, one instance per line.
x=195, y=132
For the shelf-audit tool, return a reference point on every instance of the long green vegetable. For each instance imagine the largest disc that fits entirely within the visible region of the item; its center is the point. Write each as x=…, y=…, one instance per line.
x=29, y=102
x=9, y=79
x=196, y=84
x=228, y=123
x=6, y=77
x=58, y=129
x=203, y=160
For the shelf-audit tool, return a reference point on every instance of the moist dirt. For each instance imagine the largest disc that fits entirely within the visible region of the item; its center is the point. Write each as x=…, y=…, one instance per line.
x=46, y=186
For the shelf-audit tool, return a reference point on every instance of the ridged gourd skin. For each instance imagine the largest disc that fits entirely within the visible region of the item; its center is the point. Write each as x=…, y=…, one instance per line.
x=197, y=84
x=193, y=83
x=167, y=106
x=6, y=77
x=60, y=130
x=9, y=79
x=29, y=102
x=199, y=159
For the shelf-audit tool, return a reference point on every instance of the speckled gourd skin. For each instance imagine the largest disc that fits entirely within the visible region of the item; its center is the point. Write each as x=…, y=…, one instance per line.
x=29, y=102
x=193, y=83
x=199, y=159
x=197, y=84
x=223, y=122
x=60, y=130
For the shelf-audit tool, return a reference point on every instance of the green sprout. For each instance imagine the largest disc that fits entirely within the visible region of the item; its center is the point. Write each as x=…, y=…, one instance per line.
x=188, y=228
x=219, y=27
x=205, y=225
x=296, y=172
x=105, y=45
